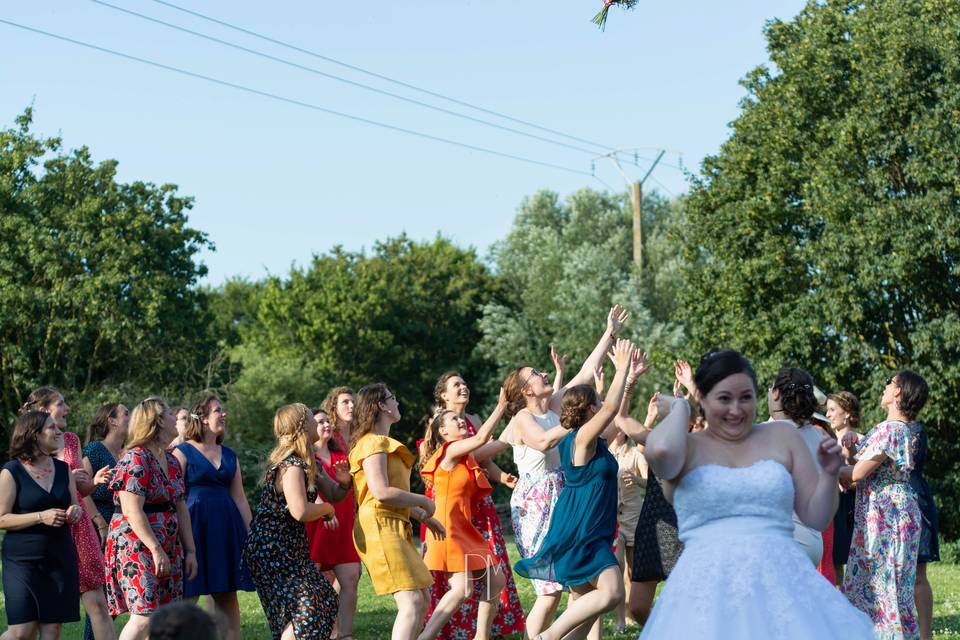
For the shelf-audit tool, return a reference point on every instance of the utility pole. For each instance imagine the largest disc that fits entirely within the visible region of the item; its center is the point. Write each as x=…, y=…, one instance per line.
x=637, y=197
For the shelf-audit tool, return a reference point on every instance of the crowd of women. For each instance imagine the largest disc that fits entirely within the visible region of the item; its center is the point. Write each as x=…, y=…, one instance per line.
x=799, y=527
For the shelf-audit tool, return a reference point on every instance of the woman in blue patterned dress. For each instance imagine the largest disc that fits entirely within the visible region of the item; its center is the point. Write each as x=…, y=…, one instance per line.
x=882, y=566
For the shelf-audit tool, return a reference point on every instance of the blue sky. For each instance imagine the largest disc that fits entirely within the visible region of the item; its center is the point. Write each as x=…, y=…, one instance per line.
x=275, y=182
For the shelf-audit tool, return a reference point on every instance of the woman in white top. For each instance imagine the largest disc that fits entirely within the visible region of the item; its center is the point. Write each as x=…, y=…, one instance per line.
x=791, y=399
x=534, y=431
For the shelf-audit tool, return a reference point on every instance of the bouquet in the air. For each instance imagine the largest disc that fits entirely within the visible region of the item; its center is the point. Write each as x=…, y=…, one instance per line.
x=601, y=18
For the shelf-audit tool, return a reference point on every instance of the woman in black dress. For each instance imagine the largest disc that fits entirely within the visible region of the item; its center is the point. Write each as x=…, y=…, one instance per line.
x=929, y=532
x=41, y=583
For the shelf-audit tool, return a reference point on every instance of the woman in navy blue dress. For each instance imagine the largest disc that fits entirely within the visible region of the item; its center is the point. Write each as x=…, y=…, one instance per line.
x=41, y=582
x=578, y=552
x=219, y=512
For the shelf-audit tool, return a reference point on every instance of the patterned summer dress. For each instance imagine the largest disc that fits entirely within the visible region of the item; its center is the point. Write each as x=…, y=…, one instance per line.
x=132, y=584
x=85, y=538
x=291, y=588
x=535, y=496
x=882, y=567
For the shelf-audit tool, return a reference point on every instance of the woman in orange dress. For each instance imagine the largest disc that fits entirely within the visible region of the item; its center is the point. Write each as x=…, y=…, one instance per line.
x=450, y=466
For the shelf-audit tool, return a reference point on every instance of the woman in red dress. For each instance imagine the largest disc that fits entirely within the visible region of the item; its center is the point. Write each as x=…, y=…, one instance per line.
x=451, y=393
x=150, y=544
x=331, y=542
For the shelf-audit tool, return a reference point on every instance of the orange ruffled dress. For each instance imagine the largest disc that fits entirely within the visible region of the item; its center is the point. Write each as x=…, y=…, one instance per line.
x=464, y=548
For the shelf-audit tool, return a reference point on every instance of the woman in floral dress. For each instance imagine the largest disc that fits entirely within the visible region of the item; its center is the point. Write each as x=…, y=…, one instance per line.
x=882, y=566
x=293, y=592
x=150, y=544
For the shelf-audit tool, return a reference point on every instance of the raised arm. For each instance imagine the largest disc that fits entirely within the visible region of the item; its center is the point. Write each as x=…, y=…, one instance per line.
x=460, y=448
x=615, y=319
x=666, y=446
x=631, y=426
x=559, y=365
x=531, y=434
x=623, y=355
x=816, y=494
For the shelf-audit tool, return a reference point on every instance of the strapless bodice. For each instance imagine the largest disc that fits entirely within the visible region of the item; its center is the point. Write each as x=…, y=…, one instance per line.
x=720, y=502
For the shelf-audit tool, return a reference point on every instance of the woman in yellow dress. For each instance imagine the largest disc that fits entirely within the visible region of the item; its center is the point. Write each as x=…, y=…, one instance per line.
x=382, y=532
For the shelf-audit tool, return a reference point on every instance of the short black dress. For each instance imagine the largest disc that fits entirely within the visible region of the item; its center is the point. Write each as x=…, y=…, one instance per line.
x=656, y=545
x=929, y=518
x=41, y=582
x=843, y=526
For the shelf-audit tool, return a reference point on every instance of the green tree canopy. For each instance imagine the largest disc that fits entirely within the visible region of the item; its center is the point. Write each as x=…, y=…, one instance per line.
x=564, y=264
x=826, y=232
x=96, y=276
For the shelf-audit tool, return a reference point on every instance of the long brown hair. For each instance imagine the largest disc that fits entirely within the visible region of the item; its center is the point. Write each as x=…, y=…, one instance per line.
x=432, y=440
x=329, y=404
x=366, y=410
x=288, y=425
x=440, y=387
x=98, y=429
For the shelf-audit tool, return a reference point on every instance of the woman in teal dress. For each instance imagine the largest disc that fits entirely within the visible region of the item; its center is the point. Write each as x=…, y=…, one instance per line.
x=577, y=551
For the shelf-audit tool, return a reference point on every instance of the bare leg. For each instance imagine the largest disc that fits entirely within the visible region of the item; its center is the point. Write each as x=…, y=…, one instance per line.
x=494, y=582
x=137, y=628
x=620, y=613
x=411, y=607
x=227, y=604
x=923, y=595
x=594, y=600
x=24, y=631
x=348, y=577
x=542, y=612
x=460, y=589
x=95, y=604
x=641, y=600
x=627, y=577
x=50, y=631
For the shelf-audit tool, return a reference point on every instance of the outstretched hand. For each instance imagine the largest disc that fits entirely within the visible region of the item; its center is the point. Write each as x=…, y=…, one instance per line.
x=559, y=362
x=615, y=319
x=598, y=378
x=653, y=411
x=683, y=374
x=341, y=472
x=620, y=354
x=638, y=365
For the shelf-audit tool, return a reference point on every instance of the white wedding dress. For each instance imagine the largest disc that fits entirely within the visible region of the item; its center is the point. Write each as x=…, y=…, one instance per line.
x=741, y=574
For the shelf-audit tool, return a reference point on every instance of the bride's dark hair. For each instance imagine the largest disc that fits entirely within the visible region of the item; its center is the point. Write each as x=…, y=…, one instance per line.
x=720, y=364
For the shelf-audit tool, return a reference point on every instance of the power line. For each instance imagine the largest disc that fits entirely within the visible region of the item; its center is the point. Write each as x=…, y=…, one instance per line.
x=379, y=76
x=293, y=101
x=331, y=76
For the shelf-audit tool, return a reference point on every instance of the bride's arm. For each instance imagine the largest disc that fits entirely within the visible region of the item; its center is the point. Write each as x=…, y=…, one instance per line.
x=666, y=448
x=816, y=495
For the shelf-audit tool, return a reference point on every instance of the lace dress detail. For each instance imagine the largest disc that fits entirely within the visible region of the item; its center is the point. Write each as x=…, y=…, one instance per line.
x=741, y=575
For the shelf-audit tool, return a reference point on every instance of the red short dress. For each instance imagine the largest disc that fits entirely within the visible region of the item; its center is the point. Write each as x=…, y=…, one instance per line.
x=330, y=547
x=132, y=584
x=85, y=538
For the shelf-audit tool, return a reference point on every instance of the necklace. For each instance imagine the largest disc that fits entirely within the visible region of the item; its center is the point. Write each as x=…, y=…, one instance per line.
x=39, y=473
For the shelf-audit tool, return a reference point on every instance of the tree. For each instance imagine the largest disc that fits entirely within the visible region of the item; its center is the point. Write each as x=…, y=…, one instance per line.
x=402, y=315
x=564, y=264
x=96, y=277
x=826, y=232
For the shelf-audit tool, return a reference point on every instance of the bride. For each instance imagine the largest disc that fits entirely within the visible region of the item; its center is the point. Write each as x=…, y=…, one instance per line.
x=735, y=487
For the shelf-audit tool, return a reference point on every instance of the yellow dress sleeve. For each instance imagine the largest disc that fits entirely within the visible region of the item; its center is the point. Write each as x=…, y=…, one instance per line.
x=372, y=444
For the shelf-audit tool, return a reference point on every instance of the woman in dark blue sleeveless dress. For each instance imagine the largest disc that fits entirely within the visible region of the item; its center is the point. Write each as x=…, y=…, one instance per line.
x=41, y=581
x=577, y=551
x=219, y=513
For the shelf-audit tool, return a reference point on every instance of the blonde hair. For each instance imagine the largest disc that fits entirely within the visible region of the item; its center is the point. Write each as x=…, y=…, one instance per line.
x=288, y=426
x=146, y=420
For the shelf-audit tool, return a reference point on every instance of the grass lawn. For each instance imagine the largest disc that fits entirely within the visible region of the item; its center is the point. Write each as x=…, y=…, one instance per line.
x=375, y=614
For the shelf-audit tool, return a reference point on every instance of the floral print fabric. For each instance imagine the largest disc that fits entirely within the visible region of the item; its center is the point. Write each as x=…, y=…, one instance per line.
x=132, y=584
x=881, y=569
x=291, y=588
